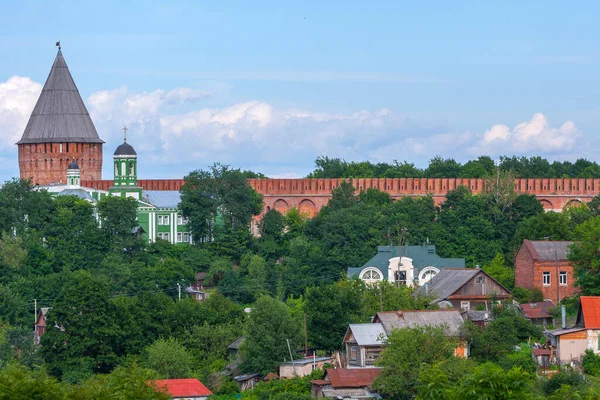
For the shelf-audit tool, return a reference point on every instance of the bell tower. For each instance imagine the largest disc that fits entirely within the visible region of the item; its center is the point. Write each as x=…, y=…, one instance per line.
x=125, y=167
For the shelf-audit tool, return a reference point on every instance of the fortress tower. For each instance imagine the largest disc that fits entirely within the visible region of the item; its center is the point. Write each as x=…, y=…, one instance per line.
x=59, y=131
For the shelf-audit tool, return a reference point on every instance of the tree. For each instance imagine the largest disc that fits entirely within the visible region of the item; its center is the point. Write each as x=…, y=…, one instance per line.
x=119, y=218
x=17, y=382
x=500, y=272
x=375, y=197
x=169, y=359
x=343, y=196
x=584, y=255
x=82, y=337
x=407, y=350
x=271, y=225
x=268, y=331
x=443, y=168
x=23, y=207
x=329, y=310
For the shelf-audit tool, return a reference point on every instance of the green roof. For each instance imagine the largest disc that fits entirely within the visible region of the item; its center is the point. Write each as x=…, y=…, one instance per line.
x=423, y=256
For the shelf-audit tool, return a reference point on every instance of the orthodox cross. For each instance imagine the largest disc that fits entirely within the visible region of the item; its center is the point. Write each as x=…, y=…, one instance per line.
x=125, y=133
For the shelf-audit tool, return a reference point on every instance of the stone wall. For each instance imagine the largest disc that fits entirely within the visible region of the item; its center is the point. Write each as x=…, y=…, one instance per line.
x=46, y=163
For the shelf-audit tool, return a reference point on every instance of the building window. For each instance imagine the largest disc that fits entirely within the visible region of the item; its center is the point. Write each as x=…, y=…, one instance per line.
x=179, y=237
x=166, y=219
x=179, y=220
x=354, y=353
x=371, y=275
x=160, y=220
x=131, y=169
x=186, y=237
x=116, y=170
x=123, y=168
x=465, y=305
x=163, y=235
x=480, y=279
x=563, y=277
x=546, y=278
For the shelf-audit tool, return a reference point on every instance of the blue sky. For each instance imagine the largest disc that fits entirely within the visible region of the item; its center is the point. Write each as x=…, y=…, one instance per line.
x=269, y=86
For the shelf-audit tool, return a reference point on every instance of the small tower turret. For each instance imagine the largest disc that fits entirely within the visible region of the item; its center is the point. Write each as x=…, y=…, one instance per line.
x=73, y=173
x=125, y=166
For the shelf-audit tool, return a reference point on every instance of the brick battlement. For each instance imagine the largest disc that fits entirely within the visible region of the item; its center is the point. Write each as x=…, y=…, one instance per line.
x=310, y=195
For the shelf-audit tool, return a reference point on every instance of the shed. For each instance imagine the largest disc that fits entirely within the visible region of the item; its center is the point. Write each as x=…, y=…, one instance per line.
x=346, y=383
x=538, y=313
x=364, y=343
x=247, y=381
x=184, y=389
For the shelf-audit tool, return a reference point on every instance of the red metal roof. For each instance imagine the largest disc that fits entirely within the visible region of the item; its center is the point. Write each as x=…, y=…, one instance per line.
x=590, y=306
x=183, y=387
x=359, y=377
x=537, y=310
x=540, y=352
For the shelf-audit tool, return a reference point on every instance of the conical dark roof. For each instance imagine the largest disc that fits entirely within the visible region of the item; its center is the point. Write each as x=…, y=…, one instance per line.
x=59, y=114
x=125, y=149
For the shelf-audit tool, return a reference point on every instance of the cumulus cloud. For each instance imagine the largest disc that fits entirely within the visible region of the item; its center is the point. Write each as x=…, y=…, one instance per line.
x=174, y=132
x=17, y=98
x=536, y=135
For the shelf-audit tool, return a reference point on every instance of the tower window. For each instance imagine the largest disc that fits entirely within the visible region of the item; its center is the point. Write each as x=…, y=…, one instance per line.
x=131, y=169
x=116, y=170
x=123, y=168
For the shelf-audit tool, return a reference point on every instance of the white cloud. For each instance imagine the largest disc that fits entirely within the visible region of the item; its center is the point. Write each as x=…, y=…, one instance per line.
x=174, y=133
x=18, y=96
x=534, y=136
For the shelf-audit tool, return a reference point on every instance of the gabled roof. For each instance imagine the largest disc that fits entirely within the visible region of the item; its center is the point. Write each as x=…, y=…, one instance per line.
x=236, y=345
x=537, y=310
x=422, y=256
x=191, y=387
x=546, y=250
x=412, y=318
x=446, y=282
x=367, y=334
x=588, y=315
x=352, y=378
x=60, y=114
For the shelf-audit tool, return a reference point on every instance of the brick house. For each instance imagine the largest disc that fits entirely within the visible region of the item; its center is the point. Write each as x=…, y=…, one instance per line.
x=544, y=265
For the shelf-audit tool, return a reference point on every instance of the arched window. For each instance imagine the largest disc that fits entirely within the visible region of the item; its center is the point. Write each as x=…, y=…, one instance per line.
x=426, y=275
x=116, y=170
x=371, y=275
x=131, y=169
x=123, y=168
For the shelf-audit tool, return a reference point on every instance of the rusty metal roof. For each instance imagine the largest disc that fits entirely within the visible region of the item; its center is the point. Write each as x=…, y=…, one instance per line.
x=537, y=310
x=352, y=378
x=589, y=309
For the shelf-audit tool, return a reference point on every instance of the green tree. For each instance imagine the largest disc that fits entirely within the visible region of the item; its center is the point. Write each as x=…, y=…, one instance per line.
x=268, y=331
x=343, y=196
x=23, y=207
x=272, y=225
x=82, y=337
x=17, y=382
x=500, y=272
x=375, y=197
x=329, y=309
x=443, y=168
x=119, y=218
x=584, y=255
x=403, y=357
x=169, y=359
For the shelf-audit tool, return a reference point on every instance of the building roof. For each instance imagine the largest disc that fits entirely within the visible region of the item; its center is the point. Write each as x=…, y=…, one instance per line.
x=191, y=387
x=245, y=377
x=446, y=282
x=452, y=320
x=81, y=193
x=73, y=165
x=125, y=149
x=60, y=114
x=236, y=345
x=540, y=352
x=546, y=250
x=368, y=334
x=352, y=378
x=560, y=332
x=162, y=198
x=537, y=310
x=422, y=256
x=589, y=312
x=478, y=315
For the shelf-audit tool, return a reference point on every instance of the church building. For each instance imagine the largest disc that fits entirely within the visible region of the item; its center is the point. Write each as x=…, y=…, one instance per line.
x=60, y=148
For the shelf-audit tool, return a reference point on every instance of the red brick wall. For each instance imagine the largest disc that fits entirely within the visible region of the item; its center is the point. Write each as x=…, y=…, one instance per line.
x=524, y=268
x=550, y=291
x=46, y=163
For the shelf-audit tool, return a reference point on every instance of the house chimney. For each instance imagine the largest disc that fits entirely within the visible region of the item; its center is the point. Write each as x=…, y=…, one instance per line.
x=563, y=312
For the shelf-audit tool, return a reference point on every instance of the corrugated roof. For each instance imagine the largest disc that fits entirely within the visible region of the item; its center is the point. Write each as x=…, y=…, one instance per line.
x=368, y=334
x=352, y=378
x=236, y=345
x=446, y=282
x=81, y=193
x=540, y=352
x=162, y=198
x=422, y=256
x=560, y=332
x=60, y=114
x=190, y=387
x=590, y=308
x=537, y=310
x=411, y=319
x=546, y=250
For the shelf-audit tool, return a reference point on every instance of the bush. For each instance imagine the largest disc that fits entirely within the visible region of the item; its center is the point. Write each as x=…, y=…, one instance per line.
x=591, y=363
x=556, y=381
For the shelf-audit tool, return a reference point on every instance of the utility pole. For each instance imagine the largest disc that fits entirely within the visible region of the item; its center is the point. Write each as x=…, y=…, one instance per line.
x=557, y=276
x=291, y=357
x=305, y=337
x=179, y=290
x=381, y=296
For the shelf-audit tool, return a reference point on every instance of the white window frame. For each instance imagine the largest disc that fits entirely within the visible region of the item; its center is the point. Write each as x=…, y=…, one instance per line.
x=561, y=275
x=160, y=220
x=465, y=305
x=179, y=237
x=546, y=278
x=166, y=220
x=372, y=271
x=186, y=237
x=179, y=220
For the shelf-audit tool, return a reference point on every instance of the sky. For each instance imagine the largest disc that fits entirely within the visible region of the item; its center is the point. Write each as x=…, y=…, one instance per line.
x=270, y=85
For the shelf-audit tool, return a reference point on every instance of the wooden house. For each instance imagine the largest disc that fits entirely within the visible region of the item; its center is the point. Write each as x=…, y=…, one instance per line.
x=538, y=313
x=464, y=288
x=344, y=383
x=40, y=324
